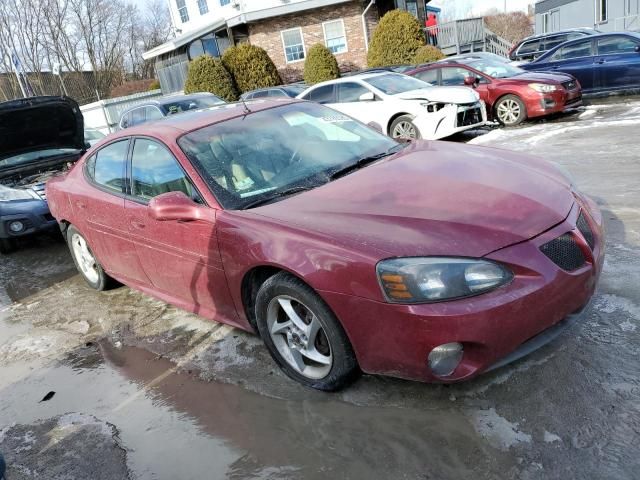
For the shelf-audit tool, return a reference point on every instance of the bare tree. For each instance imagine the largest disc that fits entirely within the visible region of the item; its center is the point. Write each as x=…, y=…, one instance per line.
x=512, y=26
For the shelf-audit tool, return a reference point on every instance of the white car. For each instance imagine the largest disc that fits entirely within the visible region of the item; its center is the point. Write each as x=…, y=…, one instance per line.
x=402, y=106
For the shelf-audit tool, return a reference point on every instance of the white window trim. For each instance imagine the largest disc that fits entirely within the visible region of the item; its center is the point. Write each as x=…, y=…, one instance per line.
x=344, y=30
x=284, y=47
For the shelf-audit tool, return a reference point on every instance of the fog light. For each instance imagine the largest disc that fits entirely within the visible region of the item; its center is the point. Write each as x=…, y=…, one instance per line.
x=16, y=226
x=443, y=360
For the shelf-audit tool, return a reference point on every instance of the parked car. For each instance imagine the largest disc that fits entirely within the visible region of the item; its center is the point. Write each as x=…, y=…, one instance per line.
x=170, y=105
x=511, y=94
x=346, y=250
x=389, y=68
x=93, y=136
x=40, y=137
x=283, y=91
x=603, y=63
x=534, y=46
x=401, y=106
x=463, y=57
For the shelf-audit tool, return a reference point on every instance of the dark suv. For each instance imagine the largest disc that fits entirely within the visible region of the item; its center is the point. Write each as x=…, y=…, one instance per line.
x=532, y=47
x=39, y=138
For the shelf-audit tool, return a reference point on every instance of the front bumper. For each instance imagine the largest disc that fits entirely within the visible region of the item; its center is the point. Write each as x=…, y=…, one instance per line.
x=34, y=215
x=396, y=340
x=556, y=102
x=450, y=120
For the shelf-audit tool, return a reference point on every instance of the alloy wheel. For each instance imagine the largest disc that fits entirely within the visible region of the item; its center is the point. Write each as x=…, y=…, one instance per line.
x=299, y=337
x=84, y=257
x=404, y=130
x=508, y=111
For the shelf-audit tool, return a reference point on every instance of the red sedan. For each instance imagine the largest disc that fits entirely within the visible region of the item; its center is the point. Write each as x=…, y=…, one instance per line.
x=511, y=94
x=345, y=250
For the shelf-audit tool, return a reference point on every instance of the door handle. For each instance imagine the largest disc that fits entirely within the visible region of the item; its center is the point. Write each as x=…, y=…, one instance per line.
x=137, y=224
x=601, y=61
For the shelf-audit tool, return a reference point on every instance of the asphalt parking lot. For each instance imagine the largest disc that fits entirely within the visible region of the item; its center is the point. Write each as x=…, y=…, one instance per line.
x=119, y=385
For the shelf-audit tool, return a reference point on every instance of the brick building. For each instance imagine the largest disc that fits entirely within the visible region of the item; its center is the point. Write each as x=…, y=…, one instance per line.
x=286, y=29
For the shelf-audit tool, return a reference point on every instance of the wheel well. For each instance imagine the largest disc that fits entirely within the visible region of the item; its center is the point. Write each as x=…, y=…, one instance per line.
x=64, y=225
x=251, y=283
x=393, y=119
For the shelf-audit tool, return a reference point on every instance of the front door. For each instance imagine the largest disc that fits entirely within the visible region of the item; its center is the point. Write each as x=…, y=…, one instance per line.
x=348, y=100
x=576, y=59
x=617, y=63
x=181, y=259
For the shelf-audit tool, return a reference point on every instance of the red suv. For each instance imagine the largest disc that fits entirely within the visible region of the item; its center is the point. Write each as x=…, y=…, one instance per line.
x=511, y=94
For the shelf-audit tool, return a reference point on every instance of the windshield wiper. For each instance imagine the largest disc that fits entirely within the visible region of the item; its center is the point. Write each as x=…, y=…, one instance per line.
x=363, y=162
x=279, y=194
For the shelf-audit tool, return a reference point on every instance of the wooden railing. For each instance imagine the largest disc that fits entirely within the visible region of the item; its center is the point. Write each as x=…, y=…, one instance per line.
x=453, y=37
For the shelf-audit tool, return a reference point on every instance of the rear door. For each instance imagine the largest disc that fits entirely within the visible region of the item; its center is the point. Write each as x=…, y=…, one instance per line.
x=576, y=59
x=100, y=205
x=617, y=62
x=181, y=259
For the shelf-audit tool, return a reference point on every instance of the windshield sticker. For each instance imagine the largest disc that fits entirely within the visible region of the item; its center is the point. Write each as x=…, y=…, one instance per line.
x=335, y=119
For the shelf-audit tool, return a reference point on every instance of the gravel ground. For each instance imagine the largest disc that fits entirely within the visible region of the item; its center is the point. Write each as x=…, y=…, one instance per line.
x=119, y=385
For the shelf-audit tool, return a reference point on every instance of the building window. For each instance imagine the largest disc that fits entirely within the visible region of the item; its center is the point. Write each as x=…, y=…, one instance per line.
x=603, y=11
x=203, y=7
x=224, y=2
x=182, y=10
x=334, y=36
x=293, y=44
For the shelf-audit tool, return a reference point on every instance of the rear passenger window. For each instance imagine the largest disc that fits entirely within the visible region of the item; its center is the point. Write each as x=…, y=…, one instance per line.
x=616, y=45
x=321, y=94
x=261, y=94
x=137, y=117
x=155, y=171
x=109, y=165
x=553, y=42
x=153, y=113
x=429, y=76
x=575, y=50
x=276, y=92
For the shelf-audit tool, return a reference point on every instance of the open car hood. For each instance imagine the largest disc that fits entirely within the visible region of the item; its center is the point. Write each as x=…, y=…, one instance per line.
x=40, y=123
x=460, y=95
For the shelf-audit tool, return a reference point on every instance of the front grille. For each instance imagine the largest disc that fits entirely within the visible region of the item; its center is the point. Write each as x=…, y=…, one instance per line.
x=585, y=230
x=40, y=190
x=471, y=116
x=565, y=252
x=570, y=85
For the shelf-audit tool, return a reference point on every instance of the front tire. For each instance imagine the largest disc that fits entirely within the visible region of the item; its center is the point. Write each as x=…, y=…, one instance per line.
x=86, y=262
x=303, y=335
x=511, y=111
x=404, y=128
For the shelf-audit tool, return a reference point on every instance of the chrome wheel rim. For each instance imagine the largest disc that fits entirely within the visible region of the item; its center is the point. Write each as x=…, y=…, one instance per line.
x=509, y=111
x=404, y=129
x=299, y=337
x=86, y=261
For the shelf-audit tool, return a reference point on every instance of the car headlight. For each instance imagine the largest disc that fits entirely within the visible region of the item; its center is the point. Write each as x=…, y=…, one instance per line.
x=8, y=194
x=434, y=279
x=543, y=87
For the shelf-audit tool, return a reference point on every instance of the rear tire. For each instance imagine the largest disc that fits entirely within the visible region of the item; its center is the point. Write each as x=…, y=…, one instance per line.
x=510, y=111
x=86, y=262
x=7, y=246
x=303, y=335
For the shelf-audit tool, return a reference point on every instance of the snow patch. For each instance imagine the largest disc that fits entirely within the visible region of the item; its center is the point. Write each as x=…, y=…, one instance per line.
x=551, y=437
x=499, y=432
x=74, y=421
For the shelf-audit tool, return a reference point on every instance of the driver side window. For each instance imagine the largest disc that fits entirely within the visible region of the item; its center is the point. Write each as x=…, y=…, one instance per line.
x=155, y=171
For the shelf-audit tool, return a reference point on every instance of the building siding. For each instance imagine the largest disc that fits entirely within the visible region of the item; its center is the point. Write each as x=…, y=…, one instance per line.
x=266, y=34
x=582, y=13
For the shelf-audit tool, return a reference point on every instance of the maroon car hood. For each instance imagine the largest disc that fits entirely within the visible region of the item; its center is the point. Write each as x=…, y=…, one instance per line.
x=529, y=77
x=434, y=198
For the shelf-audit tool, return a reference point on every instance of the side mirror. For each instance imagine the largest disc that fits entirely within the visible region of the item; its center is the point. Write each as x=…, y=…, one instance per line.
x=471, y=81
x=178, y=207
x=367, y=97
x=87, y=145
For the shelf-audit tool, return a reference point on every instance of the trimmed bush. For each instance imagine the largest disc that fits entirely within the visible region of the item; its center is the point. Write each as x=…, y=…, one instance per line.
x=396, y=40
x=428, y=54
x=320, y=65
x=207, y=74
x=251, y=67
x=155, y=85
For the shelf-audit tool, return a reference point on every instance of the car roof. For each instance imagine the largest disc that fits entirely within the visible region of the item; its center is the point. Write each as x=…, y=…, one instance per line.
x=576, y=40
x=167, y=99
x=174, y=125
x=586, y=30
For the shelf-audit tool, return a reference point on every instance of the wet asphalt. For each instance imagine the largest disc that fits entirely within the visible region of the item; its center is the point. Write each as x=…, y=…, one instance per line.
x=119, y=385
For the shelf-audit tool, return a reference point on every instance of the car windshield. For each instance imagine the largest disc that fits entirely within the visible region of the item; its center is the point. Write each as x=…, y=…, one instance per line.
x=29, y=157
x=263, y=155
x=186, y=104
x=393, y=83
x=495, y=68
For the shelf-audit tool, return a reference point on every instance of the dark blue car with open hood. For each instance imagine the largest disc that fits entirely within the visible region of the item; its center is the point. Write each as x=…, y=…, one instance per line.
x=39, y=137
x=603, y=63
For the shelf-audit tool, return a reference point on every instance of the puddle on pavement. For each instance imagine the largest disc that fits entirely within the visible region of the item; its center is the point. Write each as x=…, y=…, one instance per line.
x=175, y=425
